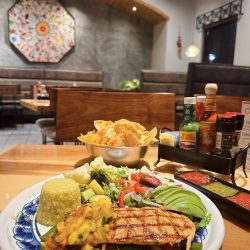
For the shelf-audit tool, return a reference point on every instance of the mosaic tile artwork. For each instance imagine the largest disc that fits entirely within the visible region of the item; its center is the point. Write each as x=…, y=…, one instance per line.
x=42, y=30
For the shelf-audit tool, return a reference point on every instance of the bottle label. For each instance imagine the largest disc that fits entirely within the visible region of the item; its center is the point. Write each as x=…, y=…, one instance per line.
x=189, y=112
x=224, y=140
x=210, y=103
x=188, y=140
x=207, y=137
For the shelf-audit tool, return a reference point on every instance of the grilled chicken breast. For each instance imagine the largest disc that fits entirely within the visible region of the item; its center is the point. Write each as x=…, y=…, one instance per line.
x=140, y=226
x=150, y=226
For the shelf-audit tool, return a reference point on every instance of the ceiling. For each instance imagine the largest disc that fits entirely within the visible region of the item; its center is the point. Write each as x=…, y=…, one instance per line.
x=144, y=11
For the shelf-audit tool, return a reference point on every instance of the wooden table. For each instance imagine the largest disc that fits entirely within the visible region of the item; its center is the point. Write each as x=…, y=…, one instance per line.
x=24, y=165
x=42, y=106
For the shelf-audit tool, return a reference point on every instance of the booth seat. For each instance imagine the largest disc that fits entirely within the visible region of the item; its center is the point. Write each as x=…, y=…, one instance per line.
x=26, y=77
x=231, y=80
x=168, y=82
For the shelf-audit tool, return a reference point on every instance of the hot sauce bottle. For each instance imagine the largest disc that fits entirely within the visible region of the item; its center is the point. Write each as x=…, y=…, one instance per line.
x=200, y=104
x=207, y=130
x=189, y=128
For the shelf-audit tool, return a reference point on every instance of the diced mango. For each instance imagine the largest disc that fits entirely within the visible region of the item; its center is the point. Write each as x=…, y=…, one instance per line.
x=96, y=187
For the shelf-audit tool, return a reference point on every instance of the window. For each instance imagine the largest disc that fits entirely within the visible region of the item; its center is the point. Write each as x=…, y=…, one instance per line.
x=219, y=42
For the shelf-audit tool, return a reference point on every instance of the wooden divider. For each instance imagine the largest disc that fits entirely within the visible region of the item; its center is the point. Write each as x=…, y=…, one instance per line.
x=77, y=110
x=229, y=103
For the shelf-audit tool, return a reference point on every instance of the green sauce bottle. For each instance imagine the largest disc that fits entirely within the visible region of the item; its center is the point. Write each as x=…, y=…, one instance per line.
x=189, y=128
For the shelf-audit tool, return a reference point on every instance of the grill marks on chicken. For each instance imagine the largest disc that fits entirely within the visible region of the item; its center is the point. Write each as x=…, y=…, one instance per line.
x=150, y=226
x=140, y=226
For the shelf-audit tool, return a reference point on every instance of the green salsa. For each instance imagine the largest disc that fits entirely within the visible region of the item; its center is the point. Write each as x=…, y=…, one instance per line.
x=221, y=189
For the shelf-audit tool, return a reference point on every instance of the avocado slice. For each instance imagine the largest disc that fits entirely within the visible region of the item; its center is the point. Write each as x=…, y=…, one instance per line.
x=158, y=190
x=181, y=200
x=186, y=203
x=98, y=197
x=189, y=199
x=161, y=193
x=183, y=194
x=87, y=194
x=189, y=209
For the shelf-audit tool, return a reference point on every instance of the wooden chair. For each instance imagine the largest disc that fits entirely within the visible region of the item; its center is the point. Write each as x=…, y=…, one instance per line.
x=77, y=110
x=48, y=125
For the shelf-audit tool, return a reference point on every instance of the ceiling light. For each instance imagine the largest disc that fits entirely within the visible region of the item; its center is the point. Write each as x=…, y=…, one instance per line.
x=134, y=9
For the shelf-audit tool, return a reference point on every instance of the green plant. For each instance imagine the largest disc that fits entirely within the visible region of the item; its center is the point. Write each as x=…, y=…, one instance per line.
x=128, y=85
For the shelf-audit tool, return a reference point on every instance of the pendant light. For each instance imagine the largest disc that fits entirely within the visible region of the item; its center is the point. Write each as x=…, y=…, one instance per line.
x=192, y=50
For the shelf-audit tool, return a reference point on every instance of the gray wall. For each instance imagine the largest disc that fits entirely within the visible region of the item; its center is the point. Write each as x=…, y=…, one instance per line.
x=107, y=39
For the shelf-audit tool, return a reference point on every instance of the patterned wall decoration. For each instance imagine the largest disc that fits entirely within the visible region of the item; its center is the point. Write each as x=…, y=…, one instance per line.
x=42, y=30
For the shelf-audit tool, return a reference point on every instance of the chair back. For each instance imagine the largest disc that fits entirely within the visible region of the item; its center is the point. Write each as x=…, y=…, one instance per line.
x=77, y=110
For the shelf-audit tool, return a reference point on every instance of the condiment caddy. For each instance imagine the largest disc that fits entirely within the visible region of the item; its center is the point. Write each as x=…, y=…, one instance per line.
x=206, y=139
x=215, y=163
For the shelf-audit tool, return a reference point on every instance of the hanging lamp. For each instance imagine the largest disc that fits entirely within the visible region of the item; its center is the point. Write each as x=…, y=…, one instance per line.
x=192, y=50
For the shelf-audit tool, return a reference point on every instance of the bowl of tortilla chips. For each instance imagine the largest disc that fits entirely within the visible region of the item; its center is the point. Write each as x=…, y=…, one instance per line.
x=120, y=143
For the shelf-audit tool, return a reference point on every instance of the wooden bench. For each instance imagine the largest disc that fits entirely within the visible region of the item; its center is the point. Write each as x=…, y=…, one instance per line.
x=26, y=77
x=77, y=110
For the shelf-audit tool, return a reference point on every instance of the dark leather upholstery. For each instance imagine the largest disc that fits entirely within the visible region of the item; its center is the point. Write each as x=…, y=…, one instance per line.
x=21, y=73
x=231, y=80
x=28, y=76
x=72, y=75
x=164, y=81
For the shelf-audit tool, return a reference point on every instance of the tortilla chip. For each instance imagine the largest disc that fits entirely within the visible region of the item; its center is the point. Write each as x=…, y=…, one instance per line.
x=90, y=138
x=101, y=124
x=119, y=133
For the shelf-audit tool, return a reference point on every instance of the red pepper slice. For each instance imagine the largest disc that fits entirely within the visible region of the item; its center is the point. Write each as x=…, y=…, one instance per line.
x=139, y=189
x=136, y=176
x=124, y=191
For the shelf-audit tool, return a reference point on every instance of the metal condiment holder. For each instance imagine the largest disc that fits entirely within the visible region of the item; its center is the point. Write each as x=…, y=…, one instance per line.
x=215, y=163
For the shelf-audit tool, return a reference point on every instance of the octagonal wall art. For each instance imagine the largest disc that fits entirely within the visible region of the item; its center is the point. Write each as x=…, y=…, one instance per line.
x=42, y=30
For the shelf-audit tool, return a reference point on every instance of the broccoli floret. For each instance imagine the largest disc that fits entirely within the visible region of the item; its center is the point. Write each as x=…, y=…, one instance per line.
x=101, y=176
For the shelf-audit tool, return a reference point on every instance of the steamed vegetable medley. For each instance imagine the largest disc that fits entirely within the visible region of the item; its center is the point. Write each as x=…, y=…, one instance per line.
x=125, y=187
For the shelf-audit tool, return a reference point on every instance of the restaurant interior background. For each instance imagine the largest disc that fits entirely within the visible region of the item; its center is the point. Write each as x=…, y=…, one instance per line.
x=119, y=44
x=112, y=45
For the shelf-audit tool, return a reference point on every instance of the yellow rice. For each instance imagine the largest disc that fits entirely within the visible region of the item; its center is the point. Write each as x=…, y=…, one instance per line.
x=59, y=197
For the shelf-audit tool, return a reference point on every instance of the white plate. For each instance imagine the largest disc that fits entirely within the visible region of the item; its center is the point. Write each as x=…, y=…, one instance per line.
x=13, y=237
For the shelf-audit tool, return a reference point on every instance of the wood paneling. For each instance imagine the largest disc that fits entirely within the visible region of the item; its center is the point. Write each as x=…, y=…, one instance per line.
x=144, y=11
x=229, y=103
x=77, y=110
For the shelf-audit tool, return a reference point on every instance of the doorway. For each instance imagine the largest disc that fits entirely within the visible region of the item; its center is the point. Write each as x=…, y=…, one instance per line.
x=219, y=42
